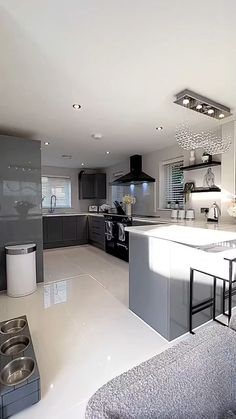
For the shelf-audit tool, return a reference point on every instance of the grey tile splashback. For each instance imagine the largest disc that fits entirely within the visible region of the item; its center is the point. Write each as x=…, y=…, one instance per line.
x=20, y=198
x=144, y=194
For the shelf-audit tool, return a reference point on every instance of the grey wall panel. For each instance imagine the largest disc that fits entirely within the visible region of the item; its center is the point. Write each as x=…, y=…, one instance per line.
x=148, y=288
x=20, y=198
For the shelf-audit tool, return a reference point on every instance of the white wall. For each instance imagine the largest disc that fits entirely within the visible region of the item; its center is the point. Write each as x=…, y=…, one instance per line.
x=228, y=171
x=151, y=162
x=78, y=205
x=225, y=175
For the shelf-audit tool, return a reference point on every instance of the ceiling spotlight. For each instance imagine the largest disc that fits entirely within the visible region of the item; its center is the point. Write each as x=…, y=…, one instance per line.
x=66, y=156
x=97, y=136
x=82, y=164
x=46, y=143
x=107, y=152
x=186, y=101
x=221, y=115
x=159, y=128
x=76, y=106
x=201, y=104
x=210, y=111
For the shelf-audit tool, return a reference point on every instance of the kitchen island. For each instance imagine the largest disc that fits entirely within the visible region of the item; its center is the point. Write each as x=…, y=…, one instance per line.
x=159, y=271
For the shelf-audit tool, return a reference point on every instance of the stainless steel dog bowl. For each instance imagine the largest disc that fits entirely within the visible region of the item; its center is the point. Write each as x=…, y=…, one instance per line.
x=17, y=371
x=13, y=326
x=14, y=345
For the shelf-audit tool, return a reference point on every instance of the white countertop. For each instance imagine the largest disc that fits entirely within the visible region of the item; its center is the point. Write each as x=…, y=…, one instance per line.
x=95, y=214
x=68, y=214
x=191, y=233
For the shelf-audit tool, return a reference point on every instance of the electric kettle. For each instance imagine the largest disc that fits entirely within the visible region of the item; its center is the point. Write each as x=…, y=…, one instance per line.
x=214, y=213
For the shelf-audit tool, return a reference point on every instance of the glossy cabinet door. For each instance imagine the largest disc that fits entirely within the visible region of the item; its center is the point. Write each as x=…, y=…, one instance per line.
x=20, y=199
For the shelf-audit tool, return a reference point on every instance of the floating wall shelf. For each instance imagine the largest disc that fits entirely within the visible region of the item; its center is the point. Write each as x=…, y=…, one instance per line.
x=202, y=189
x=201, y=165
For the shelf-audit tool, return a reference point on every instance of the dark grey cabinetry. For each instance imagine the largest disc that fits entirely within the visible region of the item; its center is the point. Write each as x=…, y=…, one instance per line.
x=92, y=186
x=82, y=229
x=69, y=228
x=96, y=231
x=54, y=230
x=60, y=231
x=100, y=186
x=87, y=186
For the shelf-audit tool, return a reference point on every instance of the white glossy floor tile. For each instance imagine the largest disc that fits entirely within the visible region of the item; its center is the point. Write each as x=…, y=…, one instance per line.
x=83, y=335
x=111, y=272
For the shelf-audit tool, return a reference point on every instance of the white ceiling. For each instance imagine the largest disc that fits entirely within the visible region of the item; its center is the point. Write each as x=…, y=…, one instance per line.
x=123, y=61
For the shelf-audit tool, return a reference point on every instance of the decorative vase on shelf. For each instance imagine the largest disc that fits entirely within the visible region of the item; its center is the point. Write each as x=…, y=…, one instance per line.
x=192, y=158
x=128, y=209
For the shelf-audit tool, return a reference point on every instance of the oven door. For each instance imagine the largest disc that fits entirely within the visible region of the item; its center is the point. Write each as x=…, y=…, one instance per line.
x=122, y=243
x=110, y=236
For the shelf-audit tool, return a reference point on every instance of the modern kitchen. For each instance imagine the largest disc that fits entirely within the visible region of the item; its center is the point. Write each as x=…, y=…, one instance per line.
x=117, y=210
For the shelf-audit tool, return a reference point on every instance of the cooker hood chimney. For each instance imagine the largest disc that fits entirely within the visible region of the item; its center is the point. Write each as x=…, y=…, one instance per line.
x=136, y=175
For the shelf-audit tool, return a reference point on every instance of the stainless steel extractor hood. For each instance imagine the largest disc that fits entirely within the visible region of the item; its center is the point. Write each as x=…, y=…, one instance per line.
x=136, y=175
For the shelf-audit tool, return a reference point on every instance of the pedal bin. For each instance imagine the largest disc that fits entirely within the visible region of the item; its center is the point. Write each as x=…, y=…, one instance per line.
x=21, y=269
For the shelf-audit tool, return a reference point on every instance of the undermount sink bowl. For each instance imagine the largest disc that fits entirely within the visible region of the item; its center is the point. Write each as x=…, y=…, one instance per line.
x=14, y=345
x=17, y=371
x=13, y=326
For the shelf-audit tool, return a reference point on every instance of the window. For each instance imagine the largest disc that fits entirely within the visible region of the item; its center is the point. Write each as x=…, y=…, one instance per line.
x=173, y=183
x=59, y=186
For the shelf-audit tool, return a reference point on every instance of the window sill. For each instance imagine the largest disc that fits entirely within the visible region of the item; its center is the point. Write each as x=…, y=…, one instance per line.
x=164, y=209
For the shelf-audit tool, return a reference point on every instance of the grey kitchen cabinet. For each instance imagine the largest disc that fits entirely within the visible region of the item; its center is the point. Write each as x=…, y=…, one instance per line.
x=100, y=186
x=54, y=229
x=87, y=186
x=92, y=186
x=96, y=231
x=82, y=229
x=69, y=228
x=62, y=231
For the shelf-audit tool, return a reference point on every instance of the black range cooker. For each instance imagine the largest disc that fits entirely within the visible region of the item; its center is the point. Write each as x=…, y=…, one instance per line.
x=116, y=238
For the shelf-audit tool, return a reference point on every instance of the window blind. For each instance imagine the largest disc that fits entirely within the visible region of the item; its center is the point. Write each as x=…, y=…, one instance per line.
x=59, y=186
x=173, y=184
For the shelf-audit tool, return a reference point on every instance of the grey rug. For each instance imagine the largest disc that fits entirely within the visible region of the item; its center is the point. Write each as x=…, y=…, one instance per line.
x=194, y=379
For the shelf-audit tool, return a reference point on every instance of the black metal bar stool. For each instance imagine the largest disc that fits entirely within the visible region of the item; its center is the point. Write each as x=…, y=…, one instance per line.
x=211, y=302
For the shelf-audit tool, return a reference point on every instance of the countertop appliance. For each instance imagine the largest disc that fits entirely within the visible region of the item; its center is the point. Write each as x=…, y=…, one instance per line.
x=136, y=175
x=214, y=213
x=93, y=208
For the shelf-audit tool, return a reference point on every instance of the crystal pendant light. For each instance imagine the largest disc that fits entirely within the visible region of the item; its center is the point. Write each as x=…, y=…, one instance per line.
x=211, y=142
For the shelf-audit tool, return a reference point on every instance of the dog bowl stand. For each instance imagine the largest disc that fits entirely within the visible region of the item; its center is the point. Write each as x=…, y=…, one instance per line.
x=17, y=397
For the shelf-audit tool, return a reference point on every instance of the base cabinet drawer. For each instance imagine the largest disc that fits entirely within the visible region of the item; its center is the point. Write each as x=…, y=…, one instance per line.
x=96, y=228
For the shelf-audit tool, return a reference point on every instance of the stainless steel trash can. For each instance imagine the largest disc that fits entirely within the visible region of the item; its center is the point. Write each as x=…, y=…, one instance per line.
x=21, y=269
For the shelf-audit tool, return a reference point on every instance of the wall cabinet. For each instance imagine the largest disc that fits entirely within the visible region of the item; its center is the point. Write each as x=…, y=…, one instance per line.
x=92, y=186
x=87, y=186
x=60, y=231
x=100, y=186
x=96, y=231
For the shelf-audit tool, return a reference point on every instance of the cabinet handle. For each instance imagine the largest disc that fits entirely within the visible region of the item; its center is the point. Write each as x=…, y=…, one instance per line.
x=122, y=245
